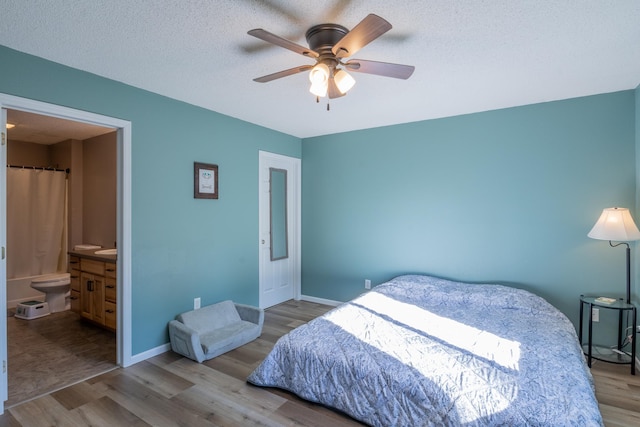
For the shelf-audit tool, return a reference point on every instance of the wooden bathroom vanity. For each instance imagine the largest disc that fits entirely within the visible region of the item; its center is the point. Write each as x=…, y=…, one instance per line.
x=94, y=287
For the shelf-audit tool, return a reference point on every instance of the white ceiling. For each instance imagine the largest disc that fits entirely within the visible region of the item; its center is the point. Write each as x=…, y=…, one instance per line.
x=469, y=56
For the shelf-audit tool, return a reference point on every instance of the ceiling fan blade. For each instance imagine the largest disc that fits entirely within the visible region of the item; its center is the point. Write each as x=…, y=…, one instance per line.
x=276, y=8
x=334, y=14
x=279, y=41
x=283, y=73
x=386, y=69
x=333, y=90
x=369, y=29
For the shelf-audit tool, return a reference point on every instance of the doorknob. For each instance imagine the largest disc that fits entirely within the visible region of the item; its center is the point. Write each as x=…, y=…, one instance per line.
x=263, y=241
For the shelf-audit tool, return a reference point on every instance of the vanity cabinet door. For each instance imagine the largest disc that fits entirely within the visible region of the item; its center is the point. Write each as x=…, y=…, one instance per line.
x=95, y=290
x=97, y=299
x=92, y=297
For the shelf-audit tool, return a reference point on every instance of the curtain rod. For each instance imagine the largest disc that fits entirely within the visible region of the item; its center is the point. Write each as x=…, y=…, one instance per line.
x=67, y=170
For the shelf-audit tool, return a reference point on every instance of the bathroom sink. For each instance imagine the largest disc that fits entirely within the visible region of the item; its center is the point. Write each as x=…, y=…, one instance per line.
x=107, y=252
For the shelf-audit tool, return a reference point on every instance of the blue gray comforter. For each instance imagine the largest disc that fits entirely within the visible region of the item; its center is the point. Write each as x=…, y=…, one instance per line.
x=425, y=351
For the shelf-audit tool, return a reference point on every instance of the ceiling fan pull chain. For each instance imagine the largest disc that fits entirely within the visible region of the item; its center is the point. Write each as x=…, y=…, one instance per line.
x=328, y=106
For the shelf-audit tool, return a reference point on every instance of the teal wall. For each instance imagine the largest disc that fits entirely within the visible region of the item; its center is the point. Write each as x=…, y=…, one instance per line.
x=505, y=196
x=182, y=247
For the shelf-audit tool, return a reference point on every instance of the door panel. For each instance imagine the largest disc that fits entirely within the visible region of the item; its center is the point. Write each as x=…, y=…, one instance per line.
x=279, y=275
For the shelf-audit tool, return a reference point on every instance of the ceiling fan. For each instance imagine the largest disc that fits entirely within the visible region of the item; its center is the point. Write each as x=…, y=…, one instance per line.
x=330, y=45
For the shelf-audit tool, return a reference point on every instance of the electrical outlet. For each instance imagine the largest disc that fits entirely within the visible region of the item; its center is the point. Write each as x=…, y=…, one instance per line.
x=196, y=303
x=595, y=314
x=367, y=284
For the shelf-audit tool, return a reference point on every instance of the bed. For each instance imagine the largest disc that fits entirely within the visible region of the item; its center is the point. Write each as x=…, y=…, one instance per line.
x=420, y=350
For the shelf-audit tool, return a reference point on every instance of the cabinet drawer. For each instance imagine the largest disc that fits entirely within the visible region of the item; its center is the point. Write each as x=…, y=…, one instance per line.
x=74, y=263
x=110, y=290
x=110, y=315
x=75, y=280
x=110, y=269
x=91, y=266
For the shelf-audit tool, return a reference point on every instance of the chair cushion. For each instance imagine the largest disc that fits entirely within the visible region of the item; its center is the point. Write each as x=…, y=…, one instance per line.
x=230, y=336
x=208, y=319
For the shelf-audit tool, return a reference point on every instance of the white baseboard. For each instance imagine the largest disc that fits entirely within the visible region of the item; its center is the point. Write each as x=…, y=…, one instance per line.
x=320, y=300
x=136, y=358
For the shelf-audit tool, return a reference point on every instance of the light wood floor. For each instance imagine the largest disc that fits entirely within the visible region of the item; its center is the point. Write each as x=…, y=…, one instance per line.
x=169, y=390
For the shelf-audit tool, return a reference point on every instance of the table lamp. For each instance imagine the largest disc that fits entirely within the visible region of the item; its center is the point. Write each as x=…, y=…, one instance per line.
x=616, y=224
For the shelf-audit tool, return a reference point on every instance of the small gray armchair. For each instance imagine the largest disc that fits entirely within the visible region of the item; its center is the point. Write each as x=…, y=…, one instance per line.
x=210, y=331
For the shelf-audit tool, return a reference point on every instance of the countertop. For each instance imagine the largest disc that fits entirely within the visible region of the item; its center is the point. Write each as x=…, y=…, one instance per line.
x=91, y=254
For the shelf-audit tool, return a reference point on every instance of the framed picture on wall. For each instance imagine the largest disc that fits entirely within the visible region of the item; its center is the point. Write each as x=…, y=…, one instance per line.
x=205, y=181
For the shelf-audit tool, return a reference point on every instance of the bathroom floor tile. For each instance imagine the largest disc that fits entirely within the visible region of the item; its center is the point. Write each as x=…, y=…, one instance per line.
x=53, y=352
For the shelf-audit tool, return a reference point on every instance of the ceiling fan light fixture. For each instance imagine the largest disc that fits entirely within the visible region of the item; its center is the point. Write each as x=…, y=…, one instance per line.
x=319, y=89
x=344, y=81
x=328, y=45
x=319, y=74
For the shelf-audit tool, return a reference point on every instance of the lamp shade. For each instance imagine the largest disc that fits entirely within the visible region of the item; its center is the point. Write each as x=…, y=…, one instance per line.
x=319, y=89
x=344, y=81
x=319, y=74
x=615, y=224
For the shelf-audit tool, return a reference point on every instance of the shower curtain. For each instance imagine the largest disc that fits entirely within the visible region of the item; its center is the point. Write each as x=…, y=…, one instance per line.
x=36, y=222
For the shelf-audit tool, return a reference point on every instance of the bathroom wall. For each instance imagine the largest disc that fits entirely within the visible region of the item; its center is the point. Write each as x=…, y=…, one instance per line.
x=20, y=153
x=69, y=154
x=99, y=186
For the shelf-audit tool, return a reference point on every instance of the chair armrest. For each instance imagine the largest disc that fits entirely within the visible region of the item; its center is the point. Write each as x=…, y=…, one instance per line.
x=185, y=341
x=250, y=313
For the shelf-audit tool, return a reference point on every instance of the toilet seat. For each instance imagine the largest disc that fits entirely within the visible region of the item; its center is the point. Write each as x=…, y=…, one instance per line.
x=56, y=279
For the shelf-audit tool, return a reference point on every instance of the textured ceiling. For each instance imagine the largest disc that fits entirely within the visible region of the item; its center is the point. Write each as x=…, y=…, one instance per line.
x=469, y=56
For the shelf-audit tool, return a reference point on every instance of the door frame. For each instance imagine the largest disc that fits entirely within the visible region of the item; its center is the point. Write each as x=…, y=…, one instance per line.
x=4, y=375
x=294, y=191
x=123, y=219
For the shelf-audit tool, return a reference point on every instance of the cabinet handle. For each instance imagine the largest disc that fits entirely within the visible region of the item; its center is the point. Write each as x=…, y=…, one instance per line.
x=74, y=262
x=74, y=277
x=110, y=286
x=111, y=269
x=74, y=298
x=90, y=285
x=109, y=311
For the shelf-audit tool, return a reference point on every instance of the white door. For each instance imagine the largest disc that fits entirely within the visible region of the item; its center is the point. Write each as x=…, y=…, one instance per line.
x=3, y=260
x=279, y=228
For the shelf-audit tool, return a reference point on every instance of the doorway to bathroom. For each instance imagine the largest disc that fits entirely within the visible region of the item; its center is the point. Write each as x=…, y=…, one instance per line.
x=39, y=125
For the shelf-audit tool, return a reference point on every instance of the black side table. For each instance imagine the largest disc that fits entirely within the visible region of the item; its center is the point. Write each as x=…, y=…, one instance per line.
x=609, y=355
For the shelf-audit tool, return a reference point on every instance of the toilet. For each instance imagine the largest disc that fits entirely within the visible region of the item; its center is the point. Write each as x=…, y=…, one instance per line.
x=56, y=289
